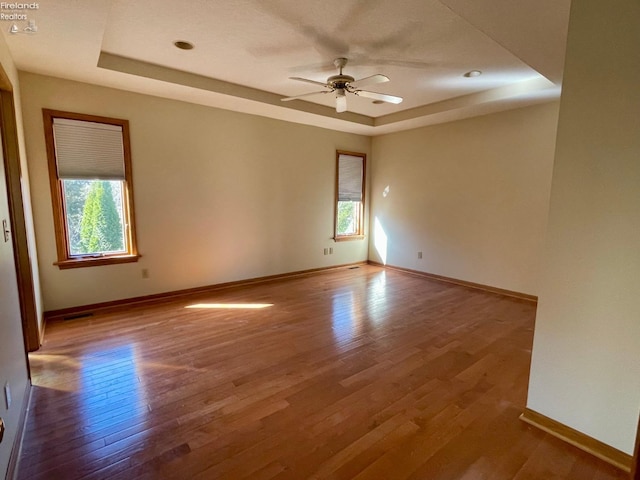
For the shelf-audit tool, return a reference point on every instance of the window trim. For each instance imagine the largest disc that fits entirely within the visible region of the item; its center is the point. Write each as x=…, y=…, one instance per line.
x=65, y=260
x=359, y=235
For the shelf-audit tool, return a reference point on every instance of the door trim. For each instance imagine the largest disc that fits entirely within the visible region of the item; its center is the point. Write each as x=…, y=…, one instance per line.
x=635, y=468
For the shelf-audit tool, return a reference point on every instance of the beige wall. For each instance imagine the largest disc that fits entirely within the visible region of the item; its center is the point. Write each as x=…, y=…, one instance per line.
x=219, y=196
x=471, y=195
x=13, y=365
x=585, y=368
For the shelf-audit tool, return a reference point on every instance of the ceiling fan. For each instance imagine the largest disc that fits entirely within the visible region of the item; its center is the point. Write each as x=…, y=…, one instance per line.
x=342, y=84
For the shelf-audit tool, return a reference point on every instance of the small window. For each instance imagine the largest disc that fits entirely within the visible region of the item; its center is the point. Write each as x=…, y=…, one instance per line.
x=91, y=189
x=349, y=219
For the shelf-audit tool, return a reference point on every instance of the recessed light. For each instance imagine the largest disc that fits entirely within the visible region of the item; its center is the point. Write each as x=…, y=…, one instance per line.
x=182, y=45
x=473, y=73
x=377, y=102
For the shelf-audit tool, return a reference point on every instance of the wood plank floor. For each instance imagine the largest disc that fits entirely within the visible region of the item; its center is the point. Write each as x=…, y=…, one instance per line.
x=353, y=374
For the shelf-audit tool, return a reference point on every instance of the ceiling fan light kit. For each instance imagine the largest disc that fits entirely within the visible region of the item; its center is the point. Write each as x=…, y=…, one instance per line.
x=342, y=84
x=341, y=100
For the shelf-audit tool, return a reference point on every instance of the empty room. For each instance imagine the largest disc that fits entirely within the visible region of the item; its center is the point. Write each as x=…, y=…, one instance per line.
x=354, y=239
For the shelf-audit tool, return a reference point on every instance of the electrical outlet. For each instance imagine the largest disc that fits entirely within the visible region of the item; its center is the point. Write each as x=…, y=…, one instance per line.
x=145, y=273
x=419, y=255
x=326, y=251
x=330, y=250
x=5, y=229
x=7, y=395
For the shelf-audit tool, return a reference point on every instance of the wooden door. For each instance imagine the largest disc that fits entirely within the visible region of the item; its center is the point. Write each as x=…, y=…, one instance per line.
x=16, y=218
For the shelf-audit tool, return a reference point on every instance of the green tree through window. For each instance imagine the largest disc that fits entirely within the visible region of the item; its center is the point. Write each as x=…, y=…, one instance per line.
x=347, y=218
x=75, y=196
x=100, y=227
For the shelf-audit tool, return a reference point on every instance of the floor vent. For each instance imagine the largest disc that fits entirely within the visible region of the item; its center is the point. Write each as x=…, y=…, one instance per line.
x=79, y=315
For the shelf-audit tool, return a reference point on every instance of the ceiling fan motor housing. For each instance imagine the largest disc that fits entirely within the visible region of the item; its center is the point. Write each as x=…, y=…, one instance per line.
x=339, y=81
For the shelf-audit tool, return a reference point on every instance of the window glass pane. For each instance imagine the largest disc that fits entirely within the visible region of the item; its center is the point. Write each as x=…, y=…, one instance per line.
x=347, y=222
x=94, y=216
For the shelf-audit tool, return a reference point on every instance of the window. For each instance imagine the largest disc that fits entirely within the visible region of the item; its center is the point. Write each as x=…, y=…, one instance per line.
x=349, y=221
x=91, y=189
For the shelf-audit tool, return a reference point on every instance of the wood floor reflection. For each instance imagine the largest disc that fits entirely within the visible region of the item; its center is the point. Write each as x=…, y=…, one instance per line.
x=353, y=374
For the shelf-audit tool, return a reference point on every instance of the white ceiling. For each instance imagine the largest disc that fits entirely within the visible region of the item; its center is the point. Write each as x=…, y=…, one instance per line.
x=245, y=50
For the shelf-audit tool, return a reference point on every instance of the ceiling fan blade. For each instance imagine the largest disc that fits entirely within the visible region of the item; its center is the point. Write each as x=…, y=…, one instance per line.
x=378, y=78
x=379, y=96
x=341, y=103
x=304, y=95
x=308, y=81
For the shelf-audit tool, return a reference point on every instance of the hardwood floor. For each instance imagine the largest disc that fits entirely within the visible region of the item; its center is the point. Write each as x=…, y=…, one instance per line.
x=354, y=374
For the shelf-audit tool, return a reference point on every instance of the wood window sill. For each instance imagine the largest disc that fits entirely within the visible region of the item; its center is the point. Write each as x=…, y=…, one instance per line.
x=346, y=238
x=96, y=261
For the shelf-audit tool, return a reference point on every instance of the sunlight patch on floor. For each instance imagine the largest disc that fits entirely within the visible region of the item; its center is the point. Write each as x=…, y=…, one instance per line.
x=231, y=305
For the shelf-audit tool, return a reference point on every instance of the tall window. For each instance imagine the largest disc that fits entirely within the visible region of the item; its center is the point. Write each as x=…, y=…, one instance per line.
x=349, y=221
x=91, y=189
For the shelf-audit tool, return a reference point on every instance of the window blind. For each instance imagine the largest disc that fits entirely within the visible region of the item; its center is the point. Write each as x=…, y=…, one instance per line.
x=88, y=150
x=349, y=178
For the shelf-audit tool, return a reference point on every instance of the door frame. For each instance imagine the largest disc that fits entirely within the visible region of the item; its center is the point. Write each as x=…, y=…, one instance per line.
x=635, y=468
